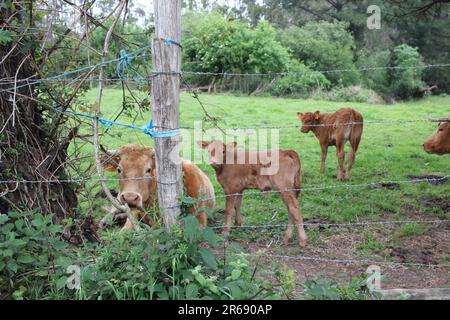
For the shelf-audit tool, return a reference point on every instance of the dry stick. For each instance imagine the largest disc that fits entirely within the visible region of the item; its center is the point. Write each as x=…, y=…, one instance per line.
x=99, y=167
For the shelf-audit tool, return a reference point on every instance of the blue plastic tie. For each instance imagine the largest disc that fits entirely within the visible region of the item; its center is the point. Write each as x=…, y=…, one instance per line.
x=148, y=129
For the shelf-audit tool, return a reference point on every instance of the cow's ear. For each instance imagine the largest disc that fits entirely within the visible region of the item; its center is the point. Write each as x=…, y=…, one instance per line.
x=110, y=161
x=203, y=144
x=317, y=115
x=299, y=115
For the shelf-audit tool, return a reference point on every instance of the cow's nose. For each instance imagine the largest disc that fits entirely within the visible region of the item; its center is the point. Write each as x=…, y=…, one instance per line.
x=133, y=199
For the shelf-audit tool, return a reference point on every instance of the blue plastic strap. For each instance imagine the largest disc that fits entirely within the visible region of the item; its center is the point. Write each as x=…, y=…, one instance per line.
x=149, y=130
x=169, y=42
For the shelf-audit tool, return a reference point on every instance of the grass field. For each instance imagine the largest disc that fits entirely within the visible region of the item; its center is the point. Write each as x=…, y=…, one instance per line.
x=388, y=152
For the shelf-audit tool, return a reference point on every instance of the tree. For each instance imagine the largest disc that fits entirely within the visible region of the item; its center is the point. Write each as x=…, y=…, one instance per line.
x=33, y=145
x=324, y=46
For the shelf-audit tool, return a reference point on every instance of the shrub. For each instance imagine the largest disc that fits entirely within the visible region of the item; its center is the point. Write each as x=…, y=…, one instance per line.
x=32, y=255
x=324, y=46
x=300, y=83
x=325, y=289
x=376, y=80
x=348, y=94
x=152, y=264
x=146, y=264
x=407, y=81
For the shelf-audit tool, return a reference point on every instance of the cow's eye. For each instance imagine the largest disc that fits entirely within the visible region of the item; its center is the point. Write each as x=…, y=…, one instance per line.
x=119, y=170
x=441, y=129
x=148, y=171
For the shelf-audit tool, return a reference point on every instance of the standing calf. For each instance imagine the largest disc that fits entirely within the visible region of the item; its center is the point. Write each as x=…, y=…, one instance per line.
x=335, y=129
x=439, y=142
x=235, y=177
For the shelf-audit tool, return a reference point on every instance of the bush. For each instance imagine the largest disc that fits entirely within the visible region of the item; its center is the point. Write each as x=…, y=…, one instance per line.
x=32, y=255
x=325, y=289
x=147, y=264
x=152, y=264
x=406, y=82
x=324, y=46
x=213, y=44
x=300, y=83
x=348, y=94
x=376, y=80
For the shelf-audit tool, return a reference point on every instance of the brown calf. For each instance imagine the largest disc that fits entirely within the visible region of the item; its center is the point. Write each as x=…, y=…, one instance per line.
x=136, y=167
x=235, y=178
x=335, y=129
x=439, y=142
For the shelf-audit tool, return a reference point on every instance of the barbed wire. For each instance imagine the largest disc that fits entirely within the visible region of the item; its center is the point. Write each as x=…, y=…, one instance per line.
x=328, y=224
x=351, y=261
x=443, y=65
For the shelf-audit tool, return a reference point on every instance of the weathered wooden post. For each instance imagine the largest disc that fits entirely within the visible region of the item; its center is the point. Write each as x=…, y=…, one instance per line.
x=166, y=55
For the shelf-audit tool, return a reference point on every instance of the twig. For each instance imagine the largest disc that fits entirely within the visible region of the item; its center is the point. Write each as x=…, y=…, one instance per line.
x=98, y=163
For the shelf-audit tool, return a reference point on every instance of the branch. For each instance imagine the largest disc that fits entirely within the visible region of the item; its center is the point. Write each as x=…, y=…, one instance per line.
x=114, y=201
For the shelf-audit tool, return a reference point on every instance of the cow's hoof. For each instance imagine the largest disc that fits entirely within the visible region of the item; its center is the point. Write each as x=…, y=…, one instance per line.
x=287, y=240
x=302, y=243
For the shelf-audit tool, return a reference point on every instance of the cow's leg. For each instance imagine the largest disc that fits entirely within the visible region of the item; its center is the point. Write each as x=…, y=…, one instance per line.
x=128, y=225
x=340, y=153
x=324, y=148
x=237, y=209
x=202, y=217
x=354, y=142
x=351, y=160
x=295, y=218
x=229, y=206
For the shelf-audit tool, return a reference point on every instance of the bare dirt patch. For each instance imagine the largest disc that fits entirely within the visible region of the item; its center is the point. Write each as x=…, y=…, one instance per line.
x=436, y=202
x=432, y=247
x=433, y=179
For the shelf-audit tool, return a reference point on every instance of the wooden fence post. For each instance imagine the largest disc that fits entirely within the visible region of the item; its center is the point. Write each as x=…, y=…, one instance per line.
x=166, y=58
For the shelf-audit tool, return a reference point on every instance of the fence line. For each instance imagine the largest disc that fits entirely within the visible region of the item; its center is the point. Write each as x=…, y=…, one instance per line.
x=353, y=261
x=443, y=65
x=132, y=54
x=345, y=224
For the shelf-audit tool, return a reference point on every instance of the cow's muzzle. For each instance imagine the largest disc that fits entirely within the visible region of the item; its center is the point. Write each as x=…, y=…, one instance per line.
x=133, y=199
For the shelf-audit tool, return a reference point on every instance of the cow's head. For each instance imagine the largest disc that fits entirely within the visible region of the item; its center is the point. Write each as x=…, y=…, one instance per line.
x=309, y=120
x=135, y=166
x=218, y=151
x=439, y=142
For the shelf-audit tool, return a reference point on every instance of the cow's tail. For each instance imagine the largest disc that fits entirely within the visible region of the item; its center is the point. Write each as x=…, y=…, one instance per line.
x=298, y=171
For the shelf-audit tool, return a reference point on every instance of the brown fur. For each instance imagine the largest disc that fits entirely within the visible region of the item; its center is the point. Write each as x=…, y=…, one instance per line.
x=135, y=161
x=342, y=128
x=439, y=142
x=235, y=178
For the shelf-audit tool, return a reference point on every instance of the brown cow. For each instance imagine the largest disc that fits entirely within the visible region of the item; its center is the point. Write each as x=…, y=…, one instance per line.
x=236, y=176
x=439, y=142
x=335, y=129
x=134, y=163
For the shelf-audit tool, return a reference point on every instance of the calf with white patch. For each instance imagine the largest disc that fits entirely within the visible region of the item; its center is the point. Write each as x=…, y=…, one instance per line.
x=136, y=167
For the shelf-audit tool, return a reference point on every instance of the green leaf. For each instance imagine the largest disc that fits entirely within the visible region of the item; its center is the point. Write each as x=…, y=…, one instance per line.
x=5, y=37
x=209, y=258
x=63, y=261
x=12, y=266
x=210, y=237
x=235, y=274
x=3, y=218
x=60, y=284
x=26, y=258
x=191, y=291
x=2, y=265
x=191, y=228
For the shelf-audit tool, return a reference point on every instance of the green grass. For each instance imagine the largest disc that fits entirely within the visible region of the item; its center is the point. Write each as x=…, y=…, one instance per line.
x=387, y=152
